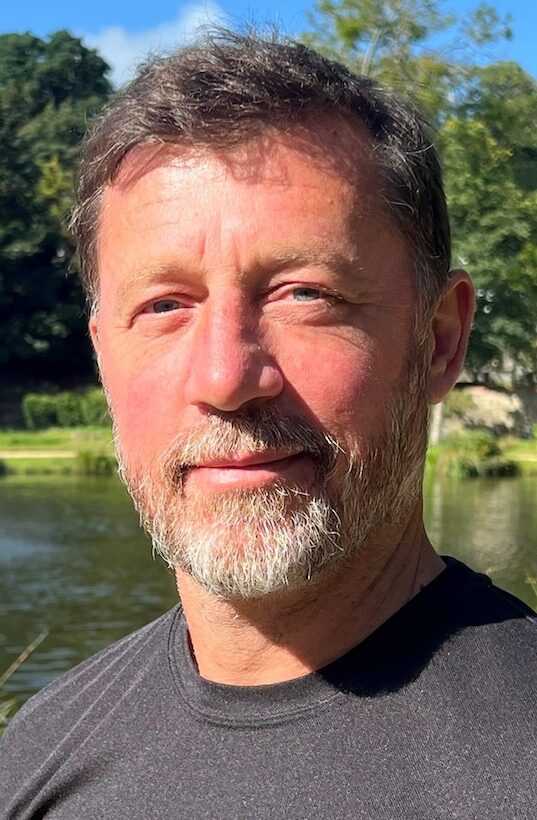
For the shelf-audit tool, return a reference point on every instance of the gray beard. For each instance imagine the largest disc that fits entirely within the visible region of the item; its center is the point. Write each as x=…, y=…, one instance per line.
x=252, y=543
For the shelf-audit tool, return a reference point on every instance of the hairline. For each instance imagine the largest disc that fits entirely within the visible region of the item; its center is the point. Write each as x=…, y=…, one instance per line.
x=226, y=153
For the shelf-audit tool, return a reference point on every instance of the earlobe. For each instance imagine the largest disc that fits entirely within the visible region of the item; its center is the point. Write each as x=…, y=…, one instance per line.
x=450, y=330
x=94, y=333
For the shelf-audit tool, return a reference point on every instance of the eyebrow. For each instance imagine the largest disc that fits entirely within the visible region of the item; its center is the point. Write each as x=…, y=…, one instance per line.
x=168, y=272
x=321, y=257
x=151, y=274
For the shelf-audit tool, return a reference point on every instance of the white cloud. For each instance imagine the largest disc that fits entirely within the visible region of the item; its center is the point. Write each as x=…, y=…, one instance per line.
x=123, y=50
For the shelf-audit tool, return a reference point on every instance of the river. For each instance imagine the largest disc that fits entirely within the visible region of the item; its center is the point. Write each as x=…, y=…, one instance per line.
x=73, y=560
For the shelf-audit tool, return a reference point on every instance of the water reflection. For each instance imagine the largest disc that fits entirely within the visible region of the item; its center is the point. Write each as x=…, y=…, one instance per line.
x=489, y=524
x=73, y=559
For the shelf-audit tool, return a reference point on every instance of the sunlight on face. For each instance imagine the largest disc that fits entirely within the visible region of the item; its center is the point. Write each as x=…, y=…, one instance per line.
x=250, y=543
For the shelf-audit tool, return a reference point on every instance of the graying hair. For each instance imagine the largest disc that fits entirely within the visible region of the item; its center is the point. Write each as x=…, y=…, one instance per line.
x=228, y=88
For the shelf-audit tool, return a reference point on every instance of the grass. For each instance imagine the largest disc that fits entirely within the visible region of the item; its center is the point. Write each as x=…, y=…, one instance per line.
x=57, y=451
x=523, y=452
x=9, y=706
x=472, y=454
x=69, y=438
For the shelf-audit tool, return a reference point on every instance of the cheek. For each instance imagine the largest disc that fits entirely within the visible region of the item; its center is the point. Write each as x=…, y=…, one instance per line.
x=336, y=386
x=146, y=405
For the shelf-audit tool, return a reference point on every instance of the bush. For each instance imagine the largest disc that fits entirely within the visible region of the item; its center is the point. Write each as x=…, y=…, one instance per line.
x=469, y=455
x=458, y=404
x=88, y=463
x=95, y=408
x=475, y=444
x=69, y=409
x=39, y=411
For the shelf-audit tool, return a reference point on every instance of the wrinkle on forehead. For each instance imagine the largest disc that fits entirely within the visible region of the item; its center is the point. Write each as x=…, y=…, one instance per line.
x=332, y=144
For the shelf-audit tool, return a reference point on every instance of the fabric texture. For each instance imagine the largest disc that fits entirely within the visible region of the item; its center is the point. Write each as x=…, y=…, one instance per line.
x=433, y=716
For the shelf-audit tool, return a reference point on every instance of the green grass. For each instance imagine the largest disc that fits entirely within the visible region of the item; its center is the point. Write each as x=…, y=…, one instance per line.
x=56, y=438
x=91, y=448
x=523, y=452
x=40, y=466
x=520, y=447
x=472, y=454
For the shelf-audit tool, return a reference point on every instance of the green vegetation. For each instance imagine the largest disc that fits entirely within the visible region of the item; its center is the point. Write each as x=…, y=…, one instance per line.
x=66, y=409
x=89, y=463
x=523, y=452
x=484, y=115
x=484, y=118
x=458, y=404
x=69, y=451
x=49, y=88
x=470, y=454
x=8, y=706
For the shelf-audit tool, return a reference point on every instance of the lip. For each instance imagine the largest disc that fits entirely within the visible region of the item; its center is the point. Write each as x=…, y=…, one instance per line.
x=246, y=461
x=250, y=471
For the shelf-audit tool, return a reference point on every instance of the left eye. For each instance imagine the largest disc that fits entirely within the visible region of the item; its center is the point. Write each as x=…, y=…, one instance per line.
x=305, y=294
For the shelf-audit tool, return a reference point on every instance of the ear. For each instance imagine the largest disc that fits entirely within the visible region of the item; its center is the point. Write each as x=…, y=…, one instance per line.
x=450, y=329
x=94, y=333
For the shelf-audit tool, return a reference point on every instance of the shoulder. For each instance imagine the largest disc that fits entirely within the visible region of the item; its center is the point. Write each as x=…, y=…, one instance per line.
x=491, y=636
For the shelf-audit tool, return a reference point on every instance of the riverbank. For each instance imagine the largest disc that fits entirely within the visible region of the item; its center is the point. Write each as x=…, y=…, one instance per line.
x=57, y=451
x=90, y=451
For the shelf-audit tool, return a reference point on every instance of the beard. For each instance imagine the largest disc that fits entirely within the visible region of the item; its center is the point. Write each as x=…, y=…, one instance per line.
x=250, y=543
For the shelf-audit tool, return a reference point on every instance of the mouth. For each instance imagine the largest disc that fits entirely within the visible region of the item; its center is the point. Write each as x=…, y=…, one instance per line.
x=250, y=471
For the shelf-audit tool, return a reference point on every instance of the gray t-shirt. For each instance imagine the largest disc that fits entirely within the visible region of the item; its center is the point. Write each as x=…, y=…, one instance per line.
x=433, y=716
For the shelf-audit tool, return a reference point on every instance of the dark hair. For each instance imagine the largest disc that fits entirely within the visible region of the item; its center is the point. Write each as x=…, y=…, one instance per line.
x=228, y=88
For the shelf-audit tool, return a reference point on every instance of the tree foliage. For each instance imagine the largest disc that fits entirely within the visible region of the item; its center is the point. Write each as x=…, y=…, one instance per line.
x=485, y=118
x=48, y=89
x=484, y=113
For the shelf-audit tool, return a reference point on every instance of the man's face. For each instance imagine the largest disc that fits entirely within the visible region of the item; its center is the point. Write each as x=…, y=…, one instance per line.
x=255, y=340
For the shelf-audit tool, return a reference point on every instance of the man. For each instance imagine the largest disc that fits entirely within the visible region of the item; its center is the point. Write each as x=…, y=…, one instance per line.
x=265, y=245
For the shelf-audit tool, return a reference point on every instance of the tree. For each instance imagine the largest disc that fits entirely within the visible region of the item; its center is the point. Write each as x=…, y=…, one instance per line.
x=494, y=223
x=411, y=45
x=48, y=89
x=485, y=118
x=490, y=157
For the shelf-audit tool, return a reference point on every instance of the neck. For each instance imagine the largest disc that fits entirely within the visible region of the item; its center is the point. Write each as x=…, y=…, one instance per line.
x=285, y=636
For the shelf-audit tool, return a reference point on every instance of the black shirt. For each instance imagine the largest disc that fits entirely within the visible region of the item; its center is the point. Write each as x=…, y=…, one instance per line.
x=433, y=716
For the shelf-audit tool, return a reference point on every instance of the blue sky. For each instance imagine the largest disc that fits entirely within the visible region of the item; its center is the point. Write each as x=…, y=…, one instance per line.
x=124, y=31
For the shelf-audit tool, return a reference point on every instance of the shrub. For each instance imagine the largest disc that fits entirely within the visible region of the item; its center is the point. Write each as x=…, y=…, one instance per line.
x=471, y=454
x=458, y=404
x=95, y=408
x=69, y=409
x=88, y=463
x=39, y=411
x=3, y=468
x=475, y=444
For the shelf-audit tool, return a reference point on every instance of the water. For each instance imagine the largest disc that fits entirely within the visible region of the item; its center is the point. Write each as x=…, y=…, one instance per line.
x=73, y=560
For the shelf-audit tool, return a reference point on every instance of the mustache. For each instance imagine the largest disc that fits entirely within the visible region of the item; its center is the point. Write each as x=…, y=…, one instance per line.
x=219, y=436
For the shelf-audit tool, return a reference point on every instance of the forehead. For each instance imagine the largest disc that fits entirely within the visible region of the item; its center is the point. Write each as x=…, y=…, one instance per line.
x=294, y=195
x=331, y=151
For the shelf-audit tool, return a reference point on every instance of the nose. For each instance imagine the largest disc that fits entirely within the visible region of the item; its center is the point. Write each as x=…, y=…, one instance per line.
x=229, y=366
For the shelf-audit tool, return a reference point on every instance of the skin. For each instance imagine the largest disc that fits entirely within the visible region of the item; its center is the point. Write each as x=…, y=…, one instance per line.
x=280, y=282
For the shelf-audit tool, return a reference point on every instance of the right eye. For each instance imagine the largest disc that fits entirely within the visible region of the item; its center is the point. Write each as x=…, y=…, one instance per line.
x=163, y=306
